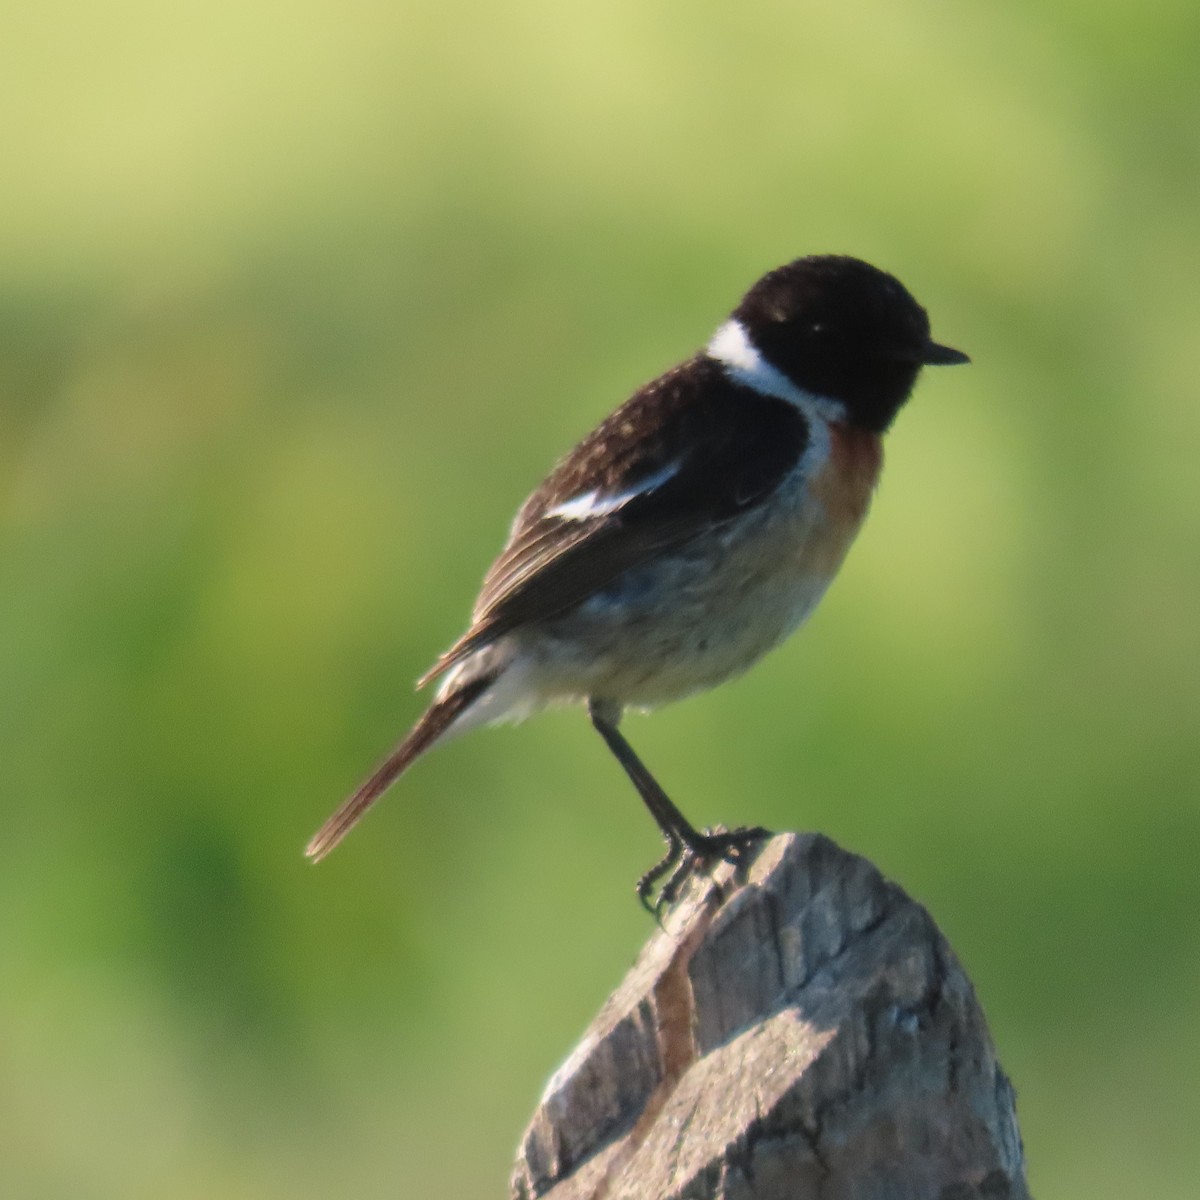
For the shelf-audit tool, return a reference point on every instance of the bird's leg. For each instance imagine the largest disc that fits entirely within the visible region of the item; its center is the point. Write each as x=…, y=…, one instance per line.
x=674, y=825
x=686, y=846
x=677, y=831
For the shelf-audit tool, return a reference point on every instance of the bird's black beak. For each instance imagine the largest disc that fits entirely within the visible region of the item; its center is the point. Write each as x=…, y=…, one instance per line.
x=942, y=356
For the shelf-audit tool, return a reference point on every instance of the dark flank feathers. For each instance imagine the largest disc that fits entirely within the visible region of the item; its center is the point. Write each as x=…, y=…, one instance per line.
x=732, y=447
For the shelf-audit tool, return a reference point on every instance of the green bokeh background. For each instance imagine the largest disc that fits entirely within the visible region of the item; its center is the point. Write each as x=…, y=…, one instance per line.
x=298, y=300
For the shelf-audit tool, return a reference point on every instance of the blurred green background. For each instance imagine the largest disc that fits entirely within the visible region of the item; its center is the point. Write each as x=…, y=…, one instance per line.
x=297, y=301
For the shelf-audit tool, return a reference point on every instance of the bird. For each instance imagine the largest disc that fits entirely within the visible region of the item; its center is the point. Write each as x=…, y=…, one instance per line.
x=691, y=532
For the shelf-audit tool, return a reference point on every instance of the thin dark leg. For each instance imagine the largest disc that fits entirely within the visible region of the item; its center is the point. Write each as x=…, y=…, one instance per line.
x=674, y=825
x=677, y=831
x=686, y=847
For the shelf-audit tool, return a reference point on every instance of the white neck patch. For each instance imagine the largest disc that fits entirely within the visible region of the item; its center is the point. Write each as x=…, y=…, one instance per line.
x=732, y=348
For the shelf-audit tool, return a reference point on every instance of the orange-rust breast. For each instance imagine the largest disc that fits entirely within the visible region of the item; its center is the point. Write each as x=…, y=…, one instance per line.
x=844, y=488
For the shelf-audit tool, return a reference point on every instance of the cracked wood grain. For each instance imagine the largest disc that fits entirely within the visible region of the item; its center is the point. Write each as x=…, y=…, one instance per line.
x=803, y=1034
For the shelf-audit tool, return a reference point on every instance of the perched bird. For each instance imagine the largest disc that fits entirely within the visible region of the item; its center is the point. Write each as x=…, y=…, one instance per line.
x=689, y=533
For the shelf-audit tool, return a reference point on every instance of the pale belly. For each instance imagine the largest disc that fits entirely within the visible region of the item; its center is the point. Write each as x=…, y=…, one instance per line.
x=687, y=622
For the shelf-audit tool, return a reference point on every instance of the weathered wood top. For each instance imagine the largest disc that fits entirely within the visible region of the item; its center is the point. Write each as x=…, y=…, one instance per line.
x=807, y=1033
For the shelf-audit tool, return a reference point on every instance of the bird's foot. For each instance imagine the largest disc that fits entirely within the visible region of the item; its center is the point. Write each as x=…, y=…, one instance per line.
x=684, y=858
x=671, y=861
x=728, y=844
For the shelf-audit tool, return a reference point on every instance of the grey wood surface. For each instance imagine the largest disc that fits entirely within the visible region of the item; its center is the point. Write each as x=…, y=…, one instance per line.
x=803, y=1033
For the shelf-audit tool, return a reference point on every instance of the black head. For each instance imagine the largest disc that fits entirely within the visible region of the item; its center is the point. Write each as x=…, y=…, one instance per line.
x=842, y=328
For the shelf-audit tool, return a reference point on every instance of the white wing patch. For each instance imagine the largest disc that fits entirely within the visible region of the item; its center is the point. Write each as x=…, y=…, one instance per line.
x=732, y=348
x=589, y=505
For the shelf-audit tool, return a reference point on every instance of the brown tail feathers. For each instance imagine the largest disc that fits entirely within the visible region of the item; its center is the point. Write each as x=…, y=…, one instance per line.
x=423, y=734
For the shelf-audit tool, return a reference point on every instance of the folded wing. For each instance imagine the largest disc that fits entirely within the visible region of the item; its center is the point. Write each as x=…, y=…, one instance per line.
x=687, y=453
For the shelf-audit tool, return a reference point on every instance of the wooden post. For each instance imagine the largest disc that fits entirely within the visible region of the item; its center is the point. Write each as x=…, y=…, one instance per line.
x=805, y=1034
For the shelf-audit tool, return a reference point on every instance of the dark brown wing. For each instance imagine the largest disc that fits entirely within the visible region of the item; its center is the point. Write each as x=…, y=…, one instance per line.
x=686, y=453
